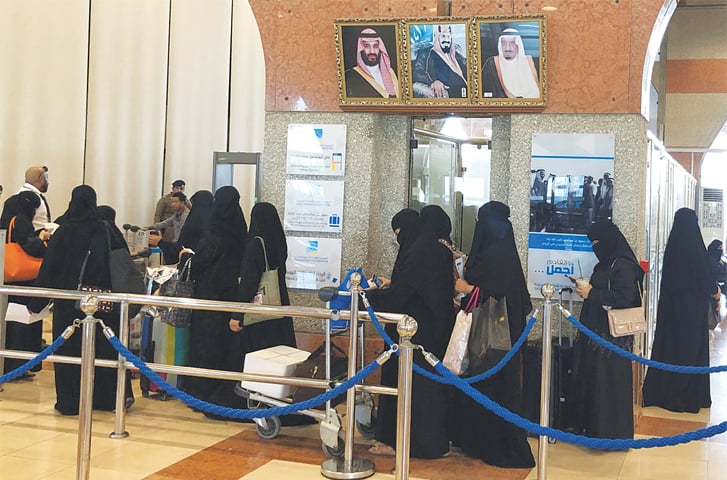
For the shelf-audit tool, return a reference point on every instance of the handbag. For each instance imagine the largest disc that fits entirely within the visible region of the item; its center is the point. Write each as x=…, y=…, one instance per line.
x=315, y=367
x=268, y=293
x=125, y=277
x=455, y=358
x=626, y=321
x=489, y=336
x=104, y=306
x=180, y=285
x=19, y=265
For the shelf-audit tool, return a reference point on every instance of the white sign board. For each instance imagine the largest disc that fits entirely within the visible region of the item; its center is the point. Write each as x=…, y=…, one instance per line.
x=312, y=262
x=316, y=149
x=571, y=185
x=313, y=205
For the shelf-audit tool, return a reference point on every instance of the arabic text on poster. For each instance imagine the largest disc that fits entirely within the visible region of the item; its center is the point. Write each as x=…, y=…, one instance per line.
x=312, y=262
x=316, y=149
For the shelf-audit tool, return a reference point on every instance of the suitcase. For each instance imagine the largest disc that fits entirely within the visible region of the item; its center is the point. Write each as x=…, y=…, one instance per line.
x=561, y=371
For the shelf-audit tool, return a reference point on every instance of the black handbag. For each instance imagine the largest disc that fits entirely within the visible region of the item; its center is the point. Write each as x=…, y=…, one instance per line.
x=315, y=367
x=180, y=285
x=489, y=338
x=125, y=277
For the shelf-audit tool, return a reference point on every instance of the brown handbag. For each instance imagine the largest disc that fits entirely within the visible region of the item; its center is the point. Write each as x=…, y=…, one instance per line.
x=627, y=321
x=19, y=266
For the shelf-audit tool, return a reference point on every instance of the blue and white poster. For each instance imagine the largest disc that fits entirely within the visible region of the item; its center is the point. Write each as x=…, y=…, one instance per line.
x=313, y=206
x=312, y=262
x=572, y=184
x=316, y=149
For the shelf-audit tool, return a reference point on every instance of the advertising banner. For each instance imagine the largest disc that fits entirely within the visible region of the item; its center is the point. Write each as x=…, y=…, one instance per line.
x=572, y=184
x=316, y=149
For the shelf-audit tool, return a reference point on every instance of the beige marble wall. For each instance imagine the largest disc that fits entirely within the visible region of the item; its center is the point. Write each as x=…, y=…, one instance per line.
x=376, y=179
x=595, y=49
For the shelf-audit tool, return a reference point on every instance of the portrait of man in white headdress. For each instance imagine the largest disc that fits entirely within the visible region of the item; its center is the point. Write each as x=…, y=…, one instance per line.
x=511, y=73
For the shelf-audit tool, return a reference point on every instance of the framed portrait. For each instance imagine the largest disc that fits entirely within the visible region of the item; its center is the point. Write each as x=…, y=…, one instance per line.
x=369, y=62
x=438, y=61
x=511, y=60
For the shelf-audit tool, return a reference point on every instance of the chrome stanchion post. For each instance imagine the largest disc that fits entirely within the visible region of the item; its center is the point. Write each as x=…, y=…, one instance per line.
x=349, y=467
x=406, y=328
x=3, y=305
x=89, y=305
x=120, y=415
x=547, y=291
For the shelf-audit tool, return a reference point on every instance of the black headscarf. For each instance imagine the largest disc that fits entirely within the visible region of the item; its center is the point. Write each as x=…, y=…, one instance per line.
x=438, y=220
x=686, y=264
x=715, y=250
x=197, y=221
x=265, y=223
x=227, y=217
x=21, y=204
x=611, y=242
x=108, y=215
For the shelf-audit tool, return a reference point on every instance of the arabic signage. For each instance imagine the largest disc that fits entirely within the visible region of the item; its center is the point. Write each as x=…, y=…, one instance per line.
x=312, y=262
x=313, y=206
x=571, y=180
x=316, y=149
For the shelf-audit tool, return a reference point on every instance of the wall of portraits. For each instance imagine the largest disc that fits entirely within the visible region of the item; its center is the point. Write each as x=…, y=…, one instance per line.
x=458, y=63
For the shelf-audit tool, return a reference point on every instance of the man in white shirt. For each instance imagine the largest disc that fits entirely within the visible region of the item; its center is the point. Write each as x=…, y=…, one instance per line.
x=36, y=181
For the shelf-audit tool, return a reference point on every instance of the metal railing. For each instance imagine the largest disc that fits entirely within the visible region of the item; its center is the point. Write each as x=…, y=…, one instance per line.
x=347, y=468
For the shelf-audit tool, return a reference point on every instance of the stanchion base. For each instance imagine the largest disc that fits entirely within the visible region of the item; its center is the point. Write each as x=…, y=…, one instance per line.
x=335, y=468
x=116, y=436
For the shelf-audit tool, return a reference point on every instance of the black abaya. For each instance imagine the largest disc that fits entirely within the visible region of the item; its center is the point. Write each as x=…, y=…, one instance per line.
x=682, y=332
x=494, y=266
x=421, y=286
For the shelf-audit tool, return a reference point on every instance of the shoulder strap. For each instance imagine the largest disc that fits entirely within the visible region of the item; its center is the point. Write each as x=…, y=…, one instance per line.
x=638, y=285
x=83, y=268
x=11, y=227
x=265, y=253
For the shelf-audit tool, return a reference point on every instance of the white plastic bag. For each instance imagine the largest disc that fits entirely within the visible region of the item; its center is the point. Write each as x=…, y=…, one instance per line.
x=455, y=359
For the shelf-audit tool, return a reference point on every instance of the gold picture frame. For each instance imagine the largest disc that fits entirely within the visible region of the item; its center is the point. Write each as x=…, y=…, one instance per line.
x=438, y=61
x=368, y=55
x=510, y=67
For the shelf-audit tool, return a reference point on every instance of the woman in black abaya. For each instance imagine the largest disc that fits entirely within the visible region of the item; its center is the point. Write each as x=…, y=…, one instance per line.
x=214, y=269
x=421, y=286
x=601, y=383
x=494, y=266
x=682, y=334
x=20, y=336
x=82, y=234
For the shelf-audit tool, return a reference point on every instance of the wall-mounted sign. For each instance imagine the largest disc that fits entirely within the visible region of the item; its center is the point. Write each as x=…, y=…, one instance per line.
x=313, y=205
x=571, y=180
x=312, y=262
x=316, y=149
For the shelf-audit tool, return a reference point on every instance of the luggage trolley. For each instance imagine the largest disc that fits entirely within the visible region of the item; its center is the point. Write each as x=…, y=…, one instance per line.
x=261, y=394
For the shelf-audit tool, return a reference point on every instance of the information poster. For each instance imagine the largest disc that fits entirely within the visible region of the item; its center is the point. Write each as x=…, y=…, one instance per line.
x=313, y=205
x=572, y=184
x=316, y=149
x=312, y=262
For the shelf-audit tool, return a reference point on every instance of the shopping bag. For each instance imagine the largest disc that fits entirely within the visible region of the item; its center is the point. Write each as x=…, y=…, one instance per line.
x=268, y=293
x=455, y=358
x=19, y=265
x=180, y=285
x=489, y=336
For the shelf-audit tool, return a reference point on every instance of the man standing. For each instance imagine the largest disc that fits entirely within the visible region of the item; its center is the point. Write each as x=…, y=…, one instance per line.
x=372, y=77
x=174, y=223
x=36, y=181
x=439, y=71
x=511, y=73
x=164, y=208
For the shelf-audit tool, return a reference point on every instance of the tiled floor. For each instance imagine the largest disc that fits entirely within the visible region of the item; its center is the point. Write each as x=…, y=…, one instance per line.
x=168, y=441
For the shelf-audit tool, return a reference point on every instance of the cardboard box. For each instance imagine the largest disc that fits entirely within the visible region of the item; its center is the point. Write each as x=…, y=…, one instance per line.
x=280, y=360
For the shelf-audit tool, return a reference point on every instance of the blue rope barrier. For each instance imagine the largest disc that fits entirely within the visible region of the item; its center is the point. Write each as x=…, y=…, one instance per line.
x=235, y=412
x=598, y=443
x=25, y=368
x=644, y=361
x=474, y=379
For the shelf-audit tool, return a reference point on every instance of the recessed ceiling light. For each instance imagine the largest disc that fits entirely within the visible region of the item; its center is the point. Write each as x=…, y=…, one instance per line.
x=548, y=8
